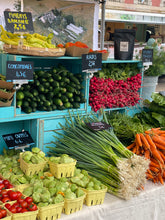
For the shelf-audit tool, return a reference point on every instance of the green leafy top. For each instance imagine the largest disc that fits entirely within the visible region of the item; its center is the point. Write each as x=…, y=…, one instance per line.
x=158, y=65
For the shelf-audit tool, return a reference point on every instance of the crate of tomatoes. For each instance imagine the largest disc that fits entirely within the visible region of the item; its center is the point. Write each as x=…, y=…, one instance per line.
x=19, y=206
x=5, y=184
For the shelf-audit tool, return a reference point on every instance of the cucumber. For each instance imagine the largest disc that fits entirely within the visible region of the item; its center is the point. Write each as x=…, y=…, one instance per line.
x=70, y=88
x=64, y=98
x=55, y=84
x=57, y=102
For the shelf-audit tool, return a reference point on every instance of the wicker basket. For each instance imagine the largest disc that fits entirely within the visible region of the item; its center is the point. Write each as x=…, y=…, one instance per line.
x=94, y=197
x=34, y=51
x=62, y=170
x=24, y=216
x=50, y=212
x=73, y=205
x=31, y=169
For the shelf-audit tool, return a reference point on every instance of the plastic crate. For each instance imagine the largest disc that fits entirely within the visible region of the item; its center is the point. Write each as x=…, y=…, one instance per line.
x=50, y=212
x=62, y=170
x=94, y=197
x=31, y=169
x=73, y=205
x=24, y=216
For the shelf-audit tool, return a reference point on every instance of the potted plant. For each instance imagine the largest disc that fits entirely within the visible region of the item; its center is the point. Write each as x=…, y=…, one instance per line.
x=152, y=72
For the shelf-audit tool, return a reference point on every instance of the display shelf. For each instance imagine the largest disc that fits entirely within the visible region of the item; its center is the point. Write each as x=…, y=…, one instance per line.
x=42, y=123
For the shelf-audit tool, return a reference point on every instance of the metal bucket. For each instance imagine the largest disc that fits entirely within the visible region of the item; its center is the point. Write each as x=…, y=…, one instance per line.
x=149, y=86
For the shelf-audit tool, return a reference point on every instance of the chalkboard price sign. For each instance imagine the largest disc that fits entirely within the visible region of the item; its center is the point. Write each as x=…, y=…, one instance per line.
x=91, y=62
x=19, y=70
x=18, y=139
x=147, y=55
x=18, y=21
x=98, y=126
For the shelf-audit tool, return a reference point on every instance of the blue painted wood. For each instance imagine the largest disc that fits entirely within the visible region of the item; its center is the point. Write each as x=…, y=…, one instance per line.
x=41, y=124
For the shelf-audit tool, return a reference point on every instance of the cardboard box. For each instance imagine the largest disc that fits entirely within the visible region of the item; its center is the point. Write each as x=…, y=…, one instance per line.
x=6, y=85
x=74, y=51
x=7, y=95
x=6, y=104
x=104, y=55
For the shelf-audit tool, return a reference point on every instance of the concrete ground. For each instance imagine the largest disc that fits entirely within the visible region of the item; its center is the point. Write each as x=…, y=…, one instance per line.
x=161, y=84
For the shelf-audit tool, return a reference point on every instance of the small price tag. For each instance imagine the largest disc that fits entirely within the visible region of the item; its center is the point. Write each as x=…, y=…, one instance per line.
x=147, y=56
x=91, y=62
x=18, y=139
x=18, y=21
x=98, y=126
x=19, y=70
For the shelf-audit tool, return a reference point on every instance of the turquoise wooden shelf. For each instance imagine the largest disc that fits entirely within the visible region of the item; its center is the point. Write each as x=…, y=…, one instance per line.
x=41, y=124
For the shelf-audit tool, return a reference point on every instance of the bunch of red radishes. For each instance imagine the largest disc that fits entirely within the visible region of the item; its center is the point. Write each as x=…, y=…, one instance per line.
x=106, y=93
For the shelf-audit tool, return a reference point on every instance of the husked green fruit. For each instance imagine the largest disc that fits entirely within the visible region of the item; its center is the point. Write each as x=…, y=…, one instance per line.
x=47, y=103
x=55, y=84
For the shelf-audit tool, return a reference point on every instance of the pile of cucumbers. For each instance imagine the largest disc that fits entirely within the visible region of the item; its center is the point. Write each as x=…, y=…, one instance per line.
x=57, y=88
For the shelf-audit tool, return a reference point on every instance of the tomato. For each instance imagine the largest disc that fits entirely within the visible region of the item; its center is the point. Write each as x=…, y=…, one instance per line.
x=18, y=209
x=1, y=216
x=20, y=199
x=2, y=186
x=13, y=195
x=24, y=204
x=33, y=207
x=13, y=210
x=5, y=195
x=29, y=200
x=9, y=186
x=15, y=205
x=24, y=210
x=4, y=192
x=4, y=200
x=6, y=182
x=8, y=206
x=4, y=212
x=19, y=193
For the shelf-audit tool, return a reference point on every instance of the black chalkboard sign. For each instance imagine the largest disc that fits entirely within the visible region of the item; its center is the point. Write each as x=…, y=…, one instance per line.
x=98, y=126
x=18, y=139
x=18, y=21
x=19, y=70
x=91, y=61
x=147, y=55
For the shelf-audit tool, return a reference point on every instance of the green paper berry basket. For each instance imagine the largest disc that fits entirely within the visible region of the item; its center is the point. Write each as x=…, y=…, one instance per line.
x=94, y=197
x=50, y=212
x=73, y=205
x=62, y=170
x=31, y=169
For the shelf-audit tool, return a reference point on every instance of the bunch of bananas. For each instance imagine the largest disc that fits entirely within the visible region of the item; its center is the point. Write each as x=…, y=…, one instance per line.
x=29, y=40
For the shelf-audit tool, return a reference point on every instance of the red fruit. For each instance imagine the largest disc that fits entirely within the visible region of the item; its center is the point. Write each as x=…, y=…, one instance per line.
x=13, y=195
x=4, y=200
x=18, y=209
x=3, y=212
x=24, y=204
x=13, y=210
x=8, y=206
x=6, y=182
x=24, y=210
x=2, y=186
x=29, y=200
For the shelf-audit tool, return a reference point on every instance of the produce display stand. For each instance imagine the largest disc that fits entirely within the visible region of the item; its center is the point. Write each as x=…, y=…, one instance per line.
x=41, y=124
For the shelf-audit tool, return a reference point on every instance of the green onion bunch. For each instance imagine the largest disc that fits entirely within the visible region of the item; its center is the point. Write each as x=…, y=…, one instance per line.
x=101, y=154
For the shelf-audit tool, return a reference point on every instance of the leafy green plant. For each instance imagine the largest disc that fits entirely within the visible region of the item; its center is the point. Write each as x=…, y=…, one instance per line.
x=158, y=65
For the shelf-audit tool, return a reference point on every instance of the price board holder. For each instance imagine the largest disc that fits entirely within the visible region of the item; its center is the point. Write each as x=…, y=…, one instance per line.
x=98, y=126
x=91, y=62
x=20, y=140
x=18, y=21
x=147, y=57
x=19, y=71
